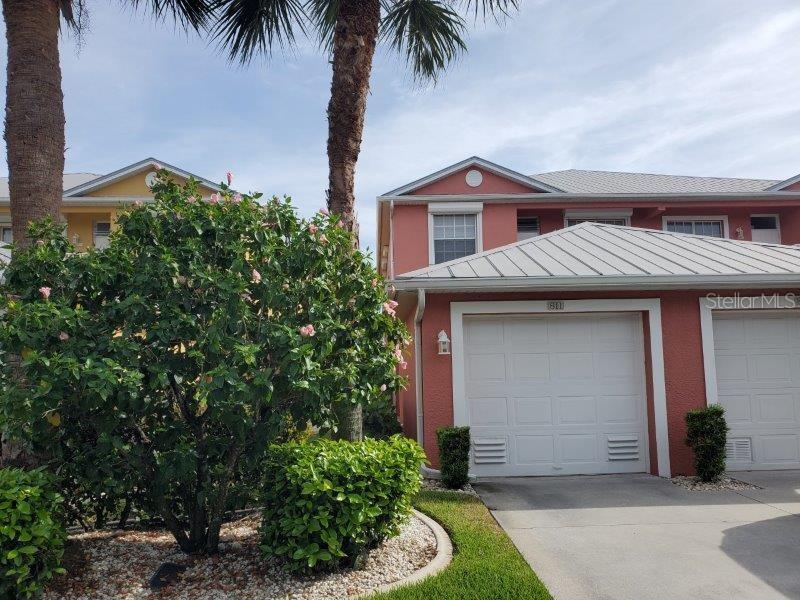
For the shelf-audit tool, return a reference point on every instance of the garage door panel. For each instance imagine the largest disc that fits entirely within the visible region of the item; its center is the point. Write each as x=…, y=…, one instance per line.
x=487, y=367
x=485, y=332
x=489, y=411
x=529, y=366
x=535, y=449
x=758, y=380
x=620, y=409
x=573, y=383
x=534, y=411
x=780, y=449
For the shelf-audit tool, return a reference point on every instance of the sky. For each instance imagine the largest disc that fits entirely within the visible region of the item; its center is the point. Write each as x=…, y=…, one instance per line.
x=692, y=87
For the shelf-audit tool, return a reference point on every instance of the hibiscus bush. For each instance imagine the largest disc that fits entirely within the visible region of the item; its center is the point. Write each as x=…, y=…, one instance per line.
x=160, y=369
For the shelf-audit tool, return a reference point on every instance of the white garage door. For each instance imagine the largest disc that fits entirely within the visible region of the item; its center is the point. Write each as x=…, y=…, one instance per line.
x=758, y=381
x=556, y=395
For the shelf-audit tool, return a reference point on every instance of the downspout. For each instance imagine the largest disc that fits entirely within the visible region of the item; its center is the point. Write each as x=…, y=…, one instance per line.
x=426, y=471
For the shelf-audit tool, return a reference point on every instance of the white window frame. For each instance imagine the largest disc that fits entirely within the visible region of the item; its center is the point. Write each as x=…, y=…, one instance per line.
x=726, y=234
x=651, y=306
x=599, y=214
x=532, y=235
x=455, y=208
x=94, y=230
x=777, y=222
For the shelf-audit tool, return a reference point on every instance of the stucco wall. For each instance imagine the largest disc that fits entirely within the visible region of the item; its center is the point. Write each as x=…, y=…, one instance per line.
x=456, y=184
x=499, y=224
x=683, y=363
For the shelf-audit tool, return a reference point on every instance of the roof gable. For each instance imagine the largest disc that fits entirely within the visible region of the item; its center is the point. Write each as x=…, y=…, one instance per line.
x=787, y=185
x=602, y=254
x=491, y=171
x=93, y=186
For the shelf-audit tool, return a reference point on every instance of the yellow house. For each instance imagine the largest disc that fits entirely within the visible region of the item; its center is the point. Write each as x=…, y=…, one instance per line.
x=90, y=202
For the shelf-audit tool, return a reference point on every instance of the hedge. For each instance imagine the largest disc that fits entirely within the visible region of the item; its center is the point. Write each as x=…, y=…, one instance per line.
x=32, y=535
x=454, y=455
x=707, y=434
x=329, y=501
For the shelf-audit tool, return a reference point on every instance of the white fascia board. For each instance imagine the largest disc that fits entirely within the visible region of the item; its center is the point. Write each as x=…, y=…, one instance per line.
x=785, y=183
x=450, y=208
x=564, y=197
x=142, y=165
x=629, y=282
x=608, y=213
x=472, y=161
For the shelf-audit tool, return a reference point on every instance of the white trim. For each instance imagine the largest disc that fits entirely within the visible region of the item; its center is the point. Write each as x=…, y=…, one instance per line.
x=124, y=172
x=455, y=208
x=726, y=234
x=472, y=161
x=711, y=304
x=777, y=225
x=785, y=183
x=652, y=306
x=599, y=282
x=463, y=208
x=648, y=200
x=598, y=213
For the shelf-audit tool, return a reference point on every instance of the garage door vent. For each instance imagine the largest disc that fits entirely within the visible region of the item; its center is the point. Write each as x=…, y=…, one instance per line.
x=488, y=451
x=739, y=450
x=623, y=447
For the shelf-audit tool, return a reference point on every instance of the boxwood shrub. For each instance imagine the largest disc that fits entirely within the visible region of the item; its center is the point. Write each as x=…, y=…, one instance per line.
x=454, y=455
x=32, y=534
x=326, y=502
x=707, y=433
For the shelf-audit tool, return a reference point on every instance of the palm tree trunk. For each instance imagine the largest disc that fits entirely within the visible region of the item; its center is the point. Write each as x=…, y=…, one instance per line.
x=34, y=127
x=354, y=40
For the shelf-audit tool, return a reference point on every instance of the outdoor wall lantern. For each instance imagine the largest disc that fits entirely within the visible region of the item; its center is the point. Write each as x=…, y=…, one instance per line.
x=444, y=342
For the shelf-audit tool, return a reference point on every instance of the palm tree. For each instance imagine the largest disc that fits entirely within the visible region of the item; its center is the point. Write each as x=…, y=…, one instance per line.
x=34, y=125
x=428, y=34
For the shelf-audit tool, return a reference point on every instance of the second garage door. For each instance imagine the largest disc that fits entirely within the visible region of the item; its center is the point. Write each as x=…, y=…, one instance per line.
x=758, y=379
x=556, y=395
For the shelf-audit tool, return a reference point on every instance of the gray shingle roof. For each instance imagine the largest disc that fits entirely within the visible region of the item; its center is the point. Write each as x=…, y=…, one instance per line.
x=70, y=181
x=611, y=182
x=597, y=252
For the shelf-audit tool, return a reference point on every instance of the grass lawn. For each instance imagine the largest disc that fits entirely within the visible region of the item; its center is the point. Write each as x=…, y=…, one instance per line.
x=486, y=565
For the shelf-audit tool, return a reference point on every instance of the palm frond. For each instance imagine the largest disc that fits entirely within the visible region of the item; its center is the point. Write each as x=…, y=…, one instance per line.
x=249, y=27
x=499, y=9
x=190, y=14
x=429, y=33
x=323, y=15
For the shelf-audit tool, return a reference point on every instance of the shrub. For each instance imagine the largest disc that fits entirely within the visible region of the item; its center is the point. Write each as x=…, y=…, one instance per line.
x=161, y=368
x=454, y=455
x=31, y=533
x=707, y=433
x=380, y=419
x=328, y=501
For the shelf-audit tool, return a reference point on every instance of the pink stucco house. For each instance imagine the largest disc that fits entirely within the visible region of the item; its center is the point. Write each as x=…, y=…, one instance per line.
x=572, y=318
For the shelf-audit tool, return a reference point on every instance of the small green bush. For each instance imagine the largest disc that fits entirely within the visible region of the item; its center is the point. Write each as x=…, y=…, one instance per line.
x=380, y=419
x=707, y=434
x=454, y=455
x=328, y=501
x=31, y=534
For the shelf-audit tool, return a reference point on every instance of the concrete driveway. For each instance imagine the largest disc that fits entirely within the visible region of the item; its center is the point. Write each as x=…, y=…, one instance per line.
x=639, y=537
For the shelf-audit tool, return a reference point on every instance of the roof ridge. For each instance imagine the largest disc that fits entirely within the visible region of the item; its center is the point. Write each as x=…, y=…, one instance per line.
x=574, y=170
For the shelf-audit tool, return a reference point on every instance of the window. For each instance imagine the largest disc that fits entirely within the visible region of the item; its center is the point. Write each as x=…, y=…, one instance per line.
x=454, y=236
x=765, y=228
x=527, y=227
x=571, y=222
x=763, y=222
x=712, y=227
x=100, y=233
x=5, y=234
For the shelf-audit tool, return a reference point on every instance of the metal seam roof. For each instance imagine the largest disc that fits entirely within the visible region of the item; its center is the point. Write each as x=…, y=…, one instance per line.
x=595, y=250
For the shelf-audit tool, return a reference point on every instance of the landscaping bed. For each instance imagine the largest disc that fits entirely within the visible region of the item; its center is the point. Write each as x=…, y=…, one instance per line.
x=486, y=564
x=120, y=565
x=696, y=484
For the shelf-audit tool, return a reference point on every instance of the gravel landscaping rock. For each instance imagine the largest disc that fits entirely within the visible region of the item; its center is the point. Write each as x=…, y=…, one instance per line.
x=435, y=485
x=119, y=565
x=724, y=483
